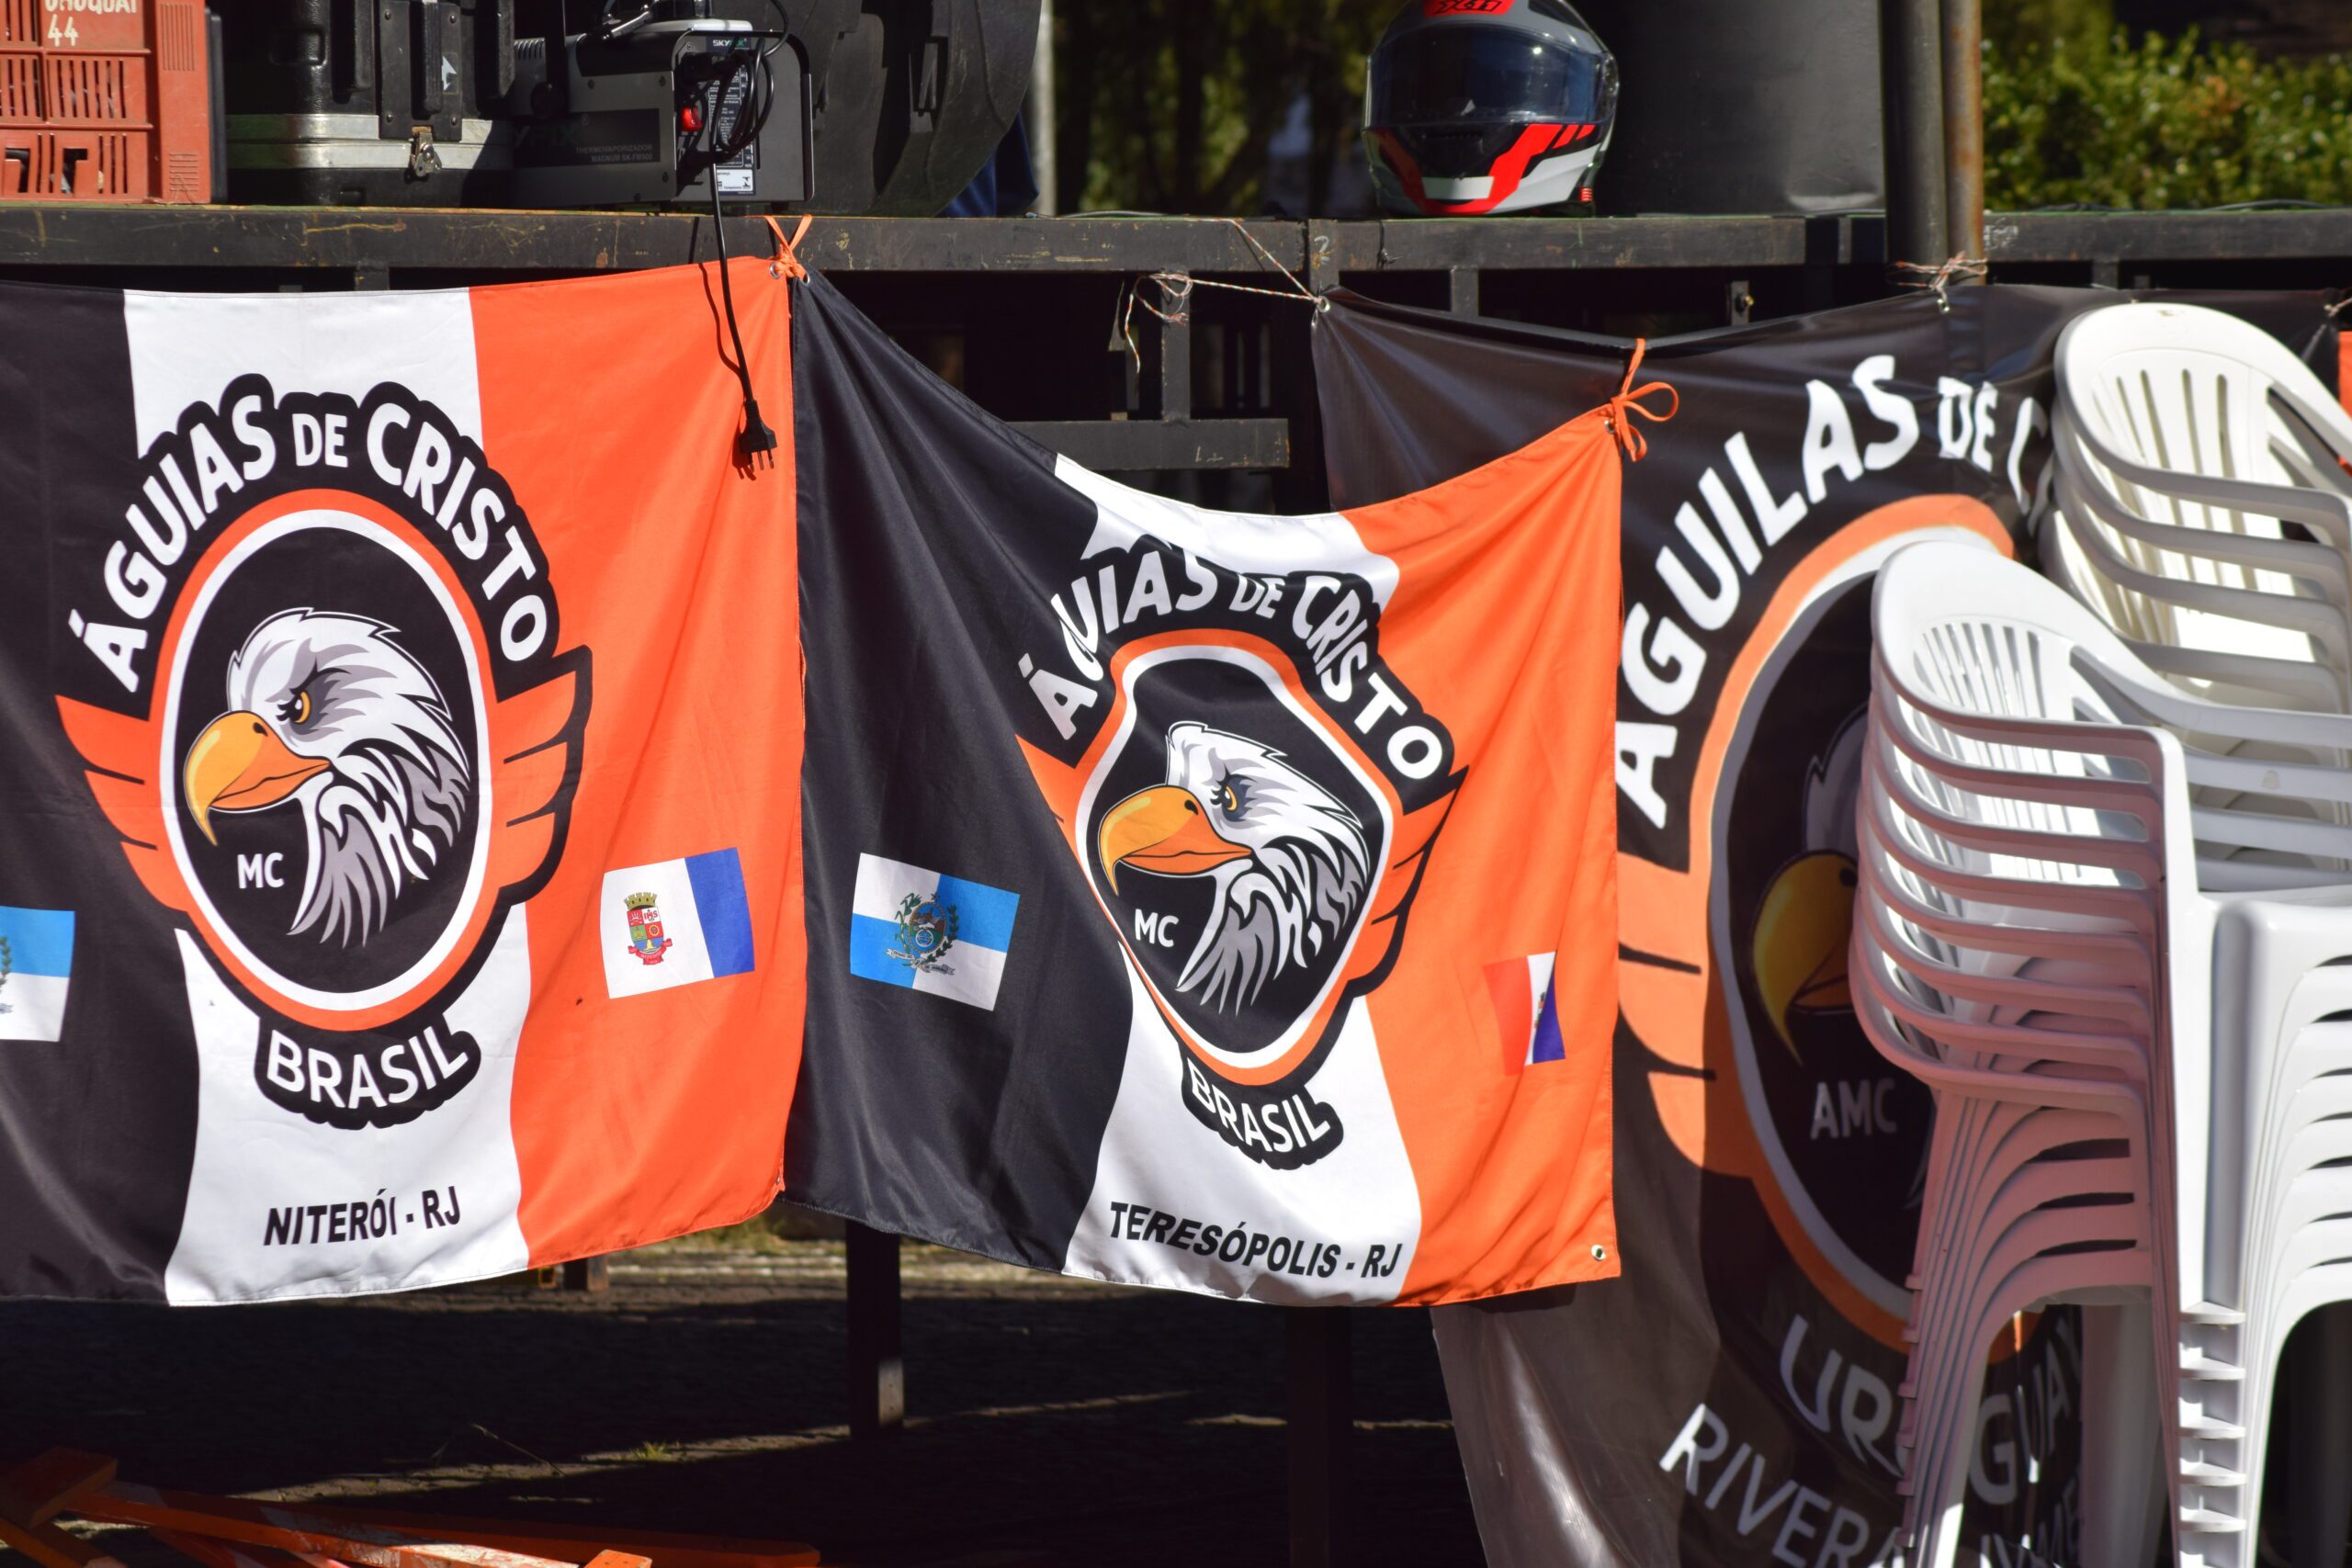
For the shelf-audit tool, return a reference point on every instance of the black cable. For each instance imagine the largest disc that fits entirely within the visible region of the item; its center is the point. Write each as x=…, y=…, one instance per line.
x=783, y=30
x=608, y=31
x=755, y=437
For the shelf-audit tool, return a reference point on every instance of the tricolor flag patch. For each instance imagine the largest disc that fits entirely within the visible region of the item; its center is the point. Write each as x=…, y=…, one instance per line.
x=36, y=961
x=1524, y=1010
x=929, y=932
x=674, y=923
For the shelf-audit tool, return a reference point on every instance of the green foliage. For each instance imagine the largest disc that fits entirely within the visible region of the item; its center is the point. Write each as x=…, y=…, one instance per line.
x=2018, y=26
x=1167, y=105
x=2162, y=123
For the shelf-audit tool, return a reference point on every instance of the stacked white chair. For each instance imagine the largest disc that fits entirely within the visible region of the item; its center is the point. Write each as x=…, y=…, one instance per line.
x=2185, y=439
x=2202, y=510
x=2031, y=939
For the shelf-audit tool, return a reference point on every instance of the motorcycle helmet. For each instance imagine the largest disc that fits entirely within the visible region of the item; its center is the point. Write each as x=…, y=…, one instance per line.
x=1475, y=107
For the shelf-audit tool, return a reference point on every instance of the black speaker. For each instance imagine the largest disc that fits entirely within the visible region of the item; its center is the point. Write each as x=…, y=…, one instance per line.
x=1742, y=105
x=386, y=103
x=912, y=96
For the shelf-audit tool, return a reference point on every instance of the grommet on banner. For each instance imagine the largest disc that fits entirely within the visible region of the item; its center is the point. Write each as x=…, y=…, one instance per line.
x=1600, y=1253
x=1627, y=403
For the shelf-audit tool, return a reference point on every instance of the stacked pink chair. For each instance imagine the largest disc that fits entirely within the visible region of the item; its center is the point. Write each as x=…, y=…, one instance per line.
x=2053, y=840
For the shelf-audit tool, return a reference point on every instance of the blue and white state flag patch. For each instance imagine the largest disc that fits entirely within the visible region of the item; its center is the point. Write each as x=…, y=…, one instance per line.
x=36, y=962
x=929, y=932
x=674, y=923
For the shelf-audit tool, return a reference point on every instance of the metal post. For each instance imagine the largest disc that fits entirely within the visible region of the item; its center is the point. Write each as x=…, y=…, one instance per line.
x=1321, y=1416
x=1042, y=161
x=1461, y=290
x=1176, y=366
x=877, y=1366
x=1303, y=487
x=1912, y=84
x=1964, y=125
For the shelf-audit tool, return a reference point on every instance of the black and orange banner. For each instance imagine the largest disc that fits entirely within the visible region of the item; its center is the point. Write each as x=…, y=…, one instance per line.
x=410, y=870
x=1201, y=900
x=400, y=875
x=1732, y=1398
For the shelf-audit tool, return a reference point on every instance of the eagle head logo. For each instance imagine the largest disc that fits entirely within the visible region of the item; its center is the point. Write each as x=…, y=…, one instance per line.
x=329, y=717
x=1806, y=917
x=340, y=794
x=1289, y=861
x=1256, y=865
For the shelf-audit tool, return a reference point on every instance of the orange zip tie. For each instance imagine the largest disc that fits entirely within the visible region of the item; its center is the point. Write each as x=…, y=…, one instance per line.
x=1628, y=402
x=785, y=263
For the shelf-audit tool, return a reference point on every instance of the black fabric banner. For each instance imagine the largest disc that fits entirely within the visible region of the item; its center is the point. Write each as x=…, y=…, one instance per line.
x=1152, y=858
x=110, y=1230
x=1732, y=1399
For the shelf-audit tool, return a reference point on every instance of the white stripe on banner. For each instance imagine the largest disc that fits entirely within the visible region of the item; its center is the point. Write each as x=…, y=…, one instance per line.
x=185, y=348
x=253, y=1159
x=1241, y=541
x=269, y=1201
x=1360, y=1197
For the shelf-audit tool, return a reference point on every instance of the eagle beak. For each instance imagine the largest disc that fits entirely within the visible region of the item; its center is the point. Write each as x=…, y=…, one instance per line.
x=239, y=764
x=1801, y=936
x=1164, y=829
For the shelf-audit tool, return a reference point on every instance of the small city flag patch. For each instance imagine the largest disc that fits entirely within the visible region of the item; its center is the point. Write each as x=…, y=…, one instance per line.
x=1530, y=1023
x=674, y=923
x=36, y=961
x=928, y=933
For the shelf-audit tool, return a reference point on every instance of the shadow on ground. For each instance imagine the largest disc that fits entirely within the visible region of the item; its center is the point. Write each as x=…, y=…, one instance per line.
x=1052, y=1422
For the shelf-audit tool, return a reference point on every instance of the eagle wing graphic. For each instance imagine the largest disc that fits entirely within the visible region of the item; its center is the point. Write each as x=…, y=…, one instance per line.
x=1409, y=857
x=535, y=745
x=122, y=754
x=535, y=741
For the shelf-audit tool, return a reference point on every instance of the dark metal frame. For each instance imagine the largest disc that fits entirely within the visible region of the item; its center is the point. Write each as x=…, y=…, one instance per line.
x=41, y=238
x=951, y=276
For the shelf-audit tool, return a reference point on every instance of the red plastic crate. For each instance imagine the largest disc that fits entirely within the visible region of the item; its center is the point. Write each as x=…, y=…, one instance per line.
x=105, y=100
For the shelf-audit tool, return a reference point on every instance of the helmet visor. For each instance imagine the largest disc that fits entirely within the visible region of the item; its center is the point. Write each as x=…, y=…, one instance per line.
x=1475, y=73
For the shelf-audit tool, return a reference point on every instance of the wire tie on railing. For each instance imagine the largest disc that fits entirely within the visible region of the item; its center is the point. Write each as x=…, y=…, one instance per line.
x=1176, y=292
x=1917, y=275
x=1300, y=289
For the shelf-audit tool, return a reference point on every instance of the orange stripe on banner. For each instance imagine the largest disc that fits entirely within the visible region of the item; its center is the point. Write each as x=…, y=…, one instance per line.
x=646, y=1116
x=2344, y=370
x=1505, y=625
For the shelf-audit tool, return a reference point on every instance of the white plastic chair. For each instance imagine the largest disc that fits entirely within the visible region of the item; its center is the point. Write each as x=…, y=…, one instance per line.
x=2199, y=394
x=2184, y=437
x=2017, y=979
x=2230, y=616
x=2031, y=939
